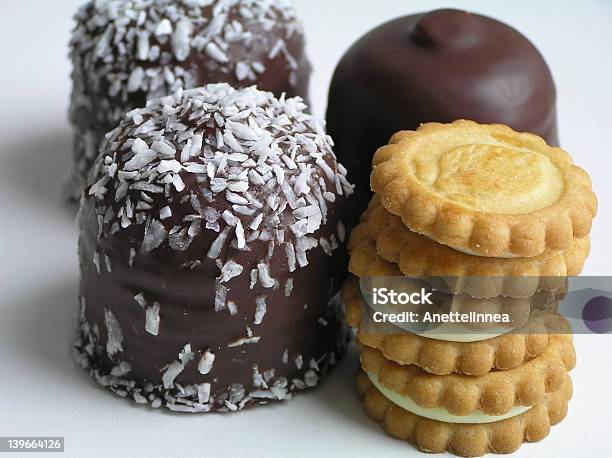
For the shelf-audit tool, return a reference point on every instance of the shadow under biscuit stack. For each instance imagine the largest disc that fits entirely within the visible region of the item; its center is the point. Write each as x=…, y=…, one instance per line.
x=500, y=220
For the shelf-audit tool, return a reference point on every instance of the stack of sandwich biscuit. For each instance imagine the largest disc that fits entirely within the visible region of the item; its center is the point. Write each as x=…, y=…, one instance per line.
x=503, y=219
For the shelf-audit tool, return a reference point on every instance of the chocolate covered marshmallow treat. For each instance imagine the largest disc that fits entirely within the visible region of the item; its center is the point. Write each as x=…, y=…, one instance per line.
x=124, y=52
x=208, y=252
x=436, y=66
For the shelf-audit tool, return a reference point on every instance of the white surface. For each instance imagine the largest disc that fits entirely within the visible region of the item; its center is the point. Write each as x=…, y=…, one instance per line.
x=44, y=393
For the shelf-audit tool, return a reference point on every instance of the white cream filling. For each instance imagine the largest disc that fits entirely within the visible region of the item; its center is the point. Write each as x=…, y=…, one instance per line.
x=438, y=413
x=474, y=253
x=465, y=335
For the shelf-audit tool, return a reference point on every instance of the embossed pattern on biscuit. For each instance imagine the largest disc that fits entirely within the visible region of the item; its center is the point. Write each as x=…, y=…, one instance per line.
x=440, y=357
x=494, y=393
x=465, y=439
x=484, y=190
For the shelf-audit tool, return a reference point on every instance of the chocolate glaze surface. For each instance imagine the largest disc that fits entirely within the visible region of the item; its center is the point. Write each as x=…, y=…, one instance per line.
x=437, y=66
x=220, y=209
x=303, y=323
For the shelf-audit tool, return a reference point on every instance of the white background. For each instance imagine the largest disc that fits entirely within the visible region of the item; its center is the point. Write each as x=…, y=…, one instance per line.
x=43, y=393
